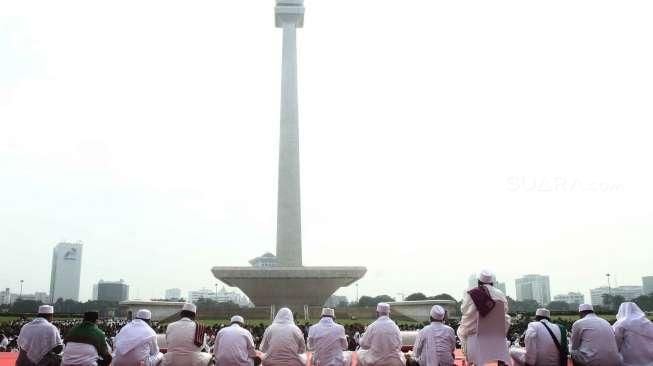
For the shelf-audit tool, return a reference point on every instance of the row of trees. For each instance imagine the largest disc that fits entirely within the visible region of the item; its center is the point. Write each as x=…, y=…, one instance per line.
x=61, y=306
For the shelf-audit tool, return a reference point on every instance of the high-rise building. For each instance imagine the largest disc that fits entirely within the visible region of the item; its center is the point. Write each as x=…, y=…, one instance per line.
x=112, y=291
x=533, y=287
x=571, y=298
x=5, y=297
x=173, y=294
x=94, y=296
x=629, y=293
x=647, y=285
x=66, y=271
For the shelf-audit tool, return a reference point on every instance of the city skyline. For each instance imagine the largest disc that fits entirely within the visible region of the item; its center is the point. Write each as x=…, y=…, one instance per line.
x=510, y=138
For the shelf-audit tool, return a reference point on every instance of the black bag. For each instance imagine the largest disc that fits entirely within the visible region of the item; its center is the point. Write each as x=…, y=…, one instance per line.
x=562, y=352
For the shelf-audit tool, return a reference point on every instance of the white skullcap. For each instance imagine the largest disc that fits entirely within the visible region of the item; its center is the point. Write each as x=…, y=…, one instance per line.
x=189, y=307
x=46, y=309
x=237, y=319
x=543, y=312
x=585, y=307
x=437, y=312
x=144, y=314
x=383, y=308
x=486, y=276
x=328, y=312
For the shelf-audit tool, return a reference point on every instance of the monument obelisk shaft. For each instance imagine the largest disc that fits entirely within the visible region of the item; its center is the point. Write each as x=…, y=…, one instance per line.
x=289, y=237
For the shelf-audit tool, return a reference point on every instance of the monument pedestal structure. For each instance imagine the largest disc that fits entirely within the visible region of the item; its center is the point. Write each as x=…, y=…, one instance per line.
x=285, y=282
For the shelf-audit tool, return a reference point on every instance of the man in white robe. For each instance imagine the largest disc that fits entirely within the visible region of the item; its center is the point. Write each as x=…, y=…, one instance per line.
x=593, y=341
x=435, y=343
x=634, y=335
x=380, y=345
x=327, y=340
x=186, y=339
x=283, y=342
x=540, y=348
x=234, y=345
x=470, y=313
x=38, y=338
x=136, y=343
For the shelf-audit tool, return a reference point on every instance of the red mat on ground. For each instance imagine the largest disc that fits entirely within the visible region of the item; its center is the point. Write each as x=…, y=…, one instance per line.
x=8, y=358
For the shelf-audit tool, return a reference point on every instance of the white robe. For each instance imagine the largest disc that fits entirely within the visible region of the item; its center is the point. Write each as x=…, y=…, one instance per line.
x=381, y=344
x=79, y=354
x=435, y=345
x=540, y=349
x=234, y=346
x=327, y=341
x=469, y=318
x=182, y=350
x=37, y=338
x=136, y=342
x=593, y=342
x=634, y=335
x=283, y=342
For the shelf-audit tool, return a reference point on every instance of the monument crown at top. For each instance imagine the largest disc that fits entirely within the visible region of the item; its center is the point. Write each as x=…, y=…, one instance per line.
x=289, y=12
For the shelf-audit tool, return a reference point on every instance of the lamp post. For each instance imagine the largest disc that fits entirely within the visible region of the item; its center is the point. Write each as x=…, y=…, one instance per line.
x=609, y=287
x=20, y=296
x=216, y=291
x=356, y=293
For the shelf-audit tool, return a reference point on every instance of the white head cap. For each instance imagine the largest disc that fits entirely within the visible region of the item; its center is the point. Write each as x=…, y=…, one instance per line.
x=585, y=307
x=46, y=309
x=383, y=308
x=189, y=307
x=237, y=319
x=437, y=312
x=328, y=312
x=144, y=314
x=486, y=276
x=543, y=312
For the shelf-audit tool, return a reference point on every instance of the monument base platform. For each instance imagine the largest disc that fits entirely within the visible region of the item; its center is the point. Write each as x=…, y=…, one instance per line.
x=294, y=287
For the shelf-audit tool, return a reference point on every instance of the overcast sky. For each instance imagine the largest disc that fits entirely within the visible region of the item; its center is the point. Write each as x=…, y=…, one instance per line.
x=437, y=139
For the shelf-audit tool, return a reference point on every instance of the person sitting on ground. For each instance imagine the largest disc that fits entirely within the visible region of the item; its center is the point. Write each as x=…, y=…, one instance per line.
x=185, y=339
x=435, y=343
x=541, y=348
x=4, y=342
x=380, y=345
x=86, y=344
x=283, y=342
x=39, y=338
x=234, y=345
x=327, y=341
x=136, y=343
x=592, y=340
x=634, y=335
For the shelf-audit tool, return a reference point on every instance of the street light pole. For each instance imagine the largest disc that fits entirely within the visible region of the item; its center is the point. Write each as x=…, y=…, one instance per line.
x=216, y=291
x=20, y=296
x=356, y=293
x=609, y=287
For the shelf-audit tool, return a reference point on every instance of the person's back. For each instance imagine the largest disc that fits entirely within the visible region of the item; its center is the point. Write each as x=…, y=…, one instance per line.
x=541, y=350
x=185, y=340
x=38, y=337
x=593, y=342
x=327, y=341
x=439, y=336
x=381, y=343
x=234, y=345
x=283, y=342
x=634, y=336
x=137, y=342
x=86, y=344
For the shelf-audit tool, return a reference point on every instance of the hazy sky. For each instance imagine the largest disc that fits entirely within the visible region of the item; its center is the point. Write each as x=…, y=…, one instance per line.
x=437, y=139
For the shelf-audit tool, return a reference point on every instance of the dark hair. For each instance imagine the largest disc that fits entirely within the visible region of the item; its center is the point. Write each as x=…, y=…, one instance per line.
x=483, y=283
x=91, y=316
x=540, y=317
x=187, y=314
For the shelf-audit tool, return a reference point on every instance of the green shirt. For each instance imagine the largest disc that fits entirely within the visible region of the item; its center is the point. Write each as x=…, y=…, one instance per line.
x=89, y=333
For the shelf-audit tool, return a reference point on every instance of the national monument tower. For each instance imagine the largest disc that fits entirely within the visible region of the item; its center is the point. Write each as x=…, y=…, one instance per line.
x=281, y=280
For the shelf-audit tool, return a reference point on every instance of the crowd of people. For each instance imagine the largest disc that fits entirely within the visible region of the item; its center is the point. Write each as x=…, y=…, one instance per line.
x=481, y=333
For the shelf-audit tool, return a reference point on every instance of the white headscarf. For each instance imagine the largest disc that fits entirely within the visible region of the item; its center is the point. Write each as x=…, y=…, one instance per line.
x=132, y=335
x=631, y=317
x=284, y=316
